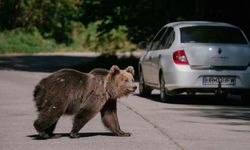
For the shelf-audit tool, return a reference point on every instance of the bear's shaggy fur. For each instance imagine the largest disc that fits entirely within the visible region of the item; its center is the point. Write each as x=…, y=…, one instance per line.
x=68, y=91
x=109, y=111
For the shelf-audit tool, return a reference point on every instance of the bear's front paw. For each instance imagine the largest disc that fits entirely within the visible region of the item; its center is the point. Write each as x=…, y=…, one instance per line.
x=74, y=135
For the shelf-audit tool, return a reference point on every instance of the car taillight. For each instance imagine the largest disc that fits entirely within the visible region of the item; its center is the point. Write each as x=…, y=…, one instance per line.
x=180, y=57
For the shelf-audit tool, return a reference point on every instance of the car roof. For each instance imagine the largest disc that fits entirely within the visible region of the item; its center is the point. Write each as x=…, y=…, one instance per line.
x=180, y=24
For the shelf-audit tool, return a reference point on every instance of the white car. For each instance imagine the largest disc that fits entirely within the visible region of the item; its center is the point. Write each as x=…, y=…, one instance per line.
x=196, y=56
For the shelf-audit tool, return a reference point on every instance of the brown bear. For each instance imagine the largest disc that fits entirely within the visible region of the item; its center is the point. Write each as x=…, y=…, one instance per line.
x=68, y=91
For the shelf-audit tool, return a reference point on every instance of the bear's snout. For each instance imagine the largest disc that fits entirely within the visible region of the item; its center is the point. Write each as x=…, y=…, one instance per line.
x=134, y=87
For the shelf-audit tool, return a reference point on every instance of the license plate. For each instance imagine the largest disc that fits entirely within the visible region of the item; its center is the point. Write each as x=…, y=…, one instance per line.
x=208, y=80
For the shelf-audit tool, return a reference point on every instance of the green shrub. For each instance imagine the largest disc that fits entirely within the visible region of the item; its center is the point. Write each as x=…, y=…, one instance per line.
x=20, y=41
x=115, y=40
x=90, y=36
x=90, y=39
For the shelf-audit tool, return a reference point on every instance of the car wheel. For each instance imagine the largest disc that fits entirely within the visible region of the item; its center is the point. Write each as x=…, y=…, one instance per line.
x=163, y=93
x=143, y=89
x=245, y=99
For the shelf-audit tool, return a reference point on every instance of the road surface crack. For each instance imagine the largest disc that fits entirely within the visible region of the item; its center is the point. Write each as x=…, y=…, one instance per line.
x=154, y=125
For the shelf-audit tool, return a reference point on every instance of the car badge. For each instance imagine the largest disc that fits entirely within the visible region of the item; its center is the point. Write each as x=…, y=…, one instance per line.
x=219, y=51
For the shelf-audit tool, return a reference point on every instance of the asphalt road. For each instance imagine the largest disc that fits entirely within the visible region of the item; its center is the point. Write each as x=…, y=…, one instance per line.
x=192, y=123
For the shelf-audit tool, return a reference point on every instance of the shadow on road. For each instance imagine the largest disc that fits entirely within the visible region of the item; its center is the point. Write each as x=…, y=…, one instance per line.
x=45, y=63
x=200, y=100
x=82, y=135
x=40, y=63
x=210, y=106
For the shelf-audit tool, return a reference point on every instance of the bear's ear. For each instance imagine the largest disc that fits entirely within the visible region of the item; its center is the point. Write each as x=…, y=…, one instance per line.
x=114, y=70
x=131, y=70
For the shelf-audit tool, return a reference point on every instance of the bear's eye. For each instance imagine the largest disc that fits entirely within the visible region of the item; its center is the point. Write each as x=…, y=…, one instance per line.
x=126, y=80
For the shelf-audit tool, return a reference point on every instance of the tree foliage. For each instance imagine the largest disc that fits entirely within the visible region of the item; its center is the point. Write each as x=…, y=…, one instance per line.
x=52, y=18
x=137, y=20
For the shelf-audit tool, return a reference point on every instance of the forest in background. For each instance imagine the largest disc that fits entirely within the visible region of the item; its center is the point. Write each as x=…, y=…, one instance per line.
x=105, y=26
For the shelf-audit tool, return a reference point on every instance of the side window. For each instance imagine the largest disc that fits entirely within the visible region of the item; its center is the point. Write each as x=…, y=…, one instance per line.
x=158, y=38
x=168, y=39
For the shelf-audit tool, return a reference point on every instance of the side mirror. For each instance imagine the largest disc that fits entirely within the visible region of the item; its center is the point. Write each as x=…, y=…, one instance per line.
x=142, y=45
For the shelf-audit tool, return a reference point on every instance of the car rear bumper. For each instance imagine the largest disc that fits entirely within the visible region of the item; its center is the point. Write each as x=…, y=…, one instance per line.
x=182, y=77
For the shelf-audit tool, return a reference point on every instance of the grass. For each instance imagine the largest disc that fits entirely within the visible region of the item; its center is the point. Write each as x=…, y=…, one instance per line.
x=20, y=41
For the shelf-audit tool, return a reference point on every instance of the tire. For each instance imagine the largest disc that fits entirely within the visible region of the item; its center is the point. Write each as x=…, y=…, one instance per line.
x=163, y=93
x=245, y=99
x=143, y=89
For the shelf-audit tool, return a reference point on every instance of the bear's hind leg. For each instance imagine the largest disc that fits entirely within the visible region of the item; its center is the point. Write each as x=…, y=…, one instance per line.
x=50, y=130
x=40, y=126
x=46, y=123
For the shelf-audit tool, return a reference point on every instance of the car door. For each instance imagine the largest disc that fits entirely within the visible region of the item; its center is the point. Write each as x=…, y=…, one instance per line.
x=145, y=64
x=149, y=65
x=157, y=54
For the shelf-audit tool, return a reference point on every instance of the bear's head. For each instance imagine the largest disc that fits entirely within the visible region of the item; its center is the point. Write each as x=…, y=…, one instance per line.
x=120, y=82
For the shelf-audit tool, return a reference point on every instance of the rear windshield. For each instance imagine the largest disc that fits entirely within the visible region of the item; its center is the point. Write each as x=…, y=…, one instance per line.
x=212, y=34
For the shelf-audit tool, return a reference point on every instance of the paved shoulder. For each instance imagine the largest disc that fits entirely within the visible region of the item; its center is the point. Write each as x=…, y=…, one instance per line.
x=198, y=125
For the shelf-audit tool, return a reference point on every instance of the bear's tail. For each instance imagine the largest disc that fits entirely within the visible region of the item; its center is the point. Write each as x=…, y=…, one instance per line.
x=38, y=95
